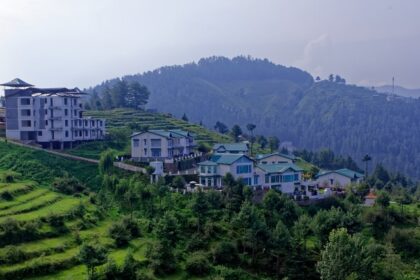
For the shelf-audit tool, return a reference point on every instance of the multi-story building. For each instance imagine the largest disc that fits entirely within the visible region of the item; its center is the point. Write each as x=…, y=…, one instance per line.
x=340, y=178
x=230, y=148
x=161, y=144
x=285, y=177
x=240, y=166
x=52, y=117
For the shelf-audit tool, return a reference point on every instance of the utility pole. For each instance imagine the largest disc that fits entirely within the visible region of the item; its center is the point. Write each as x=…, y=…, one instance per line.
x=393, y=85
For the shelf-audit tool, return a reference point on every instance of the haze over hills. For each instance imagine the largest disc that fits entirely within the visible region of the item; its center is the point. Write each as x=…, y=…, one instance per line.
x=288, y=103
x=398, y=90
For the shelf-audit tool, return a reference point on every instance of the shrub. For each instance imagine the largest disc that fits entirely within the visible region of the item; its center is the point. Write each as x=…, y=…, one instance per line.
x=6, y=195
x=198, y=264
x=12, y=254
x=9, y=176
x=68, y=185
x=120, y=233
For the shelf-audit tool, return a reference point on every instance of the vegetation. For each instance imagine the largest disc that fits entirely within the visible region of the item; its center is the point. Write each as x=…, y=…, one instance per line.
x=287, y=103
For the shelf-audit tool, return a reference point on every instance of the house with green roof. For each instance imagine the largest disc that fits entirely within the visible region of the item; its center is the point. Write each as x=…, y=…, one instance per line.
x=285, y=177
x=161, y=145
x=275, y=158
x=338, y=178
x=240, y=166
x=231, y=148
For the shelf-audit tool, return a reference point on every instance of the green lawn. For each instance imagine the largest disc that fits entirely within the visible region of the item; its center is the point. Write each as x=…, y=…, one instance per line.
x=23, y=198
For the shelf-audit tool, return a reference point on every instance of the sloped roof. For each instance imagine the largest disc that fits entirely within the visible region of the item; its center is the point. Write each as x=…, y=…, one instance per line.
x=175, y=133
x=17, y=83
x=207, y=162
x=231, y=146
x=263, y=156
x=227, y=158
x=344, y=172
x=279, y=167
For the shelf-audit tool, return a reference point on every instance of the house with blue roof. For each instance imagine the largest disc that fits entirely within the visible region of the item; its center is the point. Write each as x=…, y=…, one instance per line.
x=285, y=177
x=240, y=166
x=159, y=144
x=231, y=148
x=338, y=178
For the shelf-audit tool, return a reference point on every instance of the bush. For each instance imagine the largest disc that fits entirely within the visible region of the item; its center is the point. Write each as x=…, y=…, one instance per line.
x=198, y=264
x=68, y=185
x=9, y=176
x=120, y=233
x=12, y=254
x=6, y=195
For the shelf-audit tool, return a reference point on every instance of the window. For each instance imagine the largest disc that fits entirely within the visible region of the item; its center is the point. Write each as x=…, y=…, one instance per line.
x=25, y=101
x=66, y=112
x=46, y=111
x=46, y=122
x=288, y=178
x=65, y=101
x=247, y=181
x=45, y=100
x=275, y=179
x=145, y=142
x=39, y=133
x=52, y=135
x=136, y=142
x=255, y=179
x=267, y=178
x=26, y=124
x=75, y=101
x=66, y=123
x=145, y=152
x=203, y=181
x=296, y=176
x=241, y=169
x=75, y=113
x=202, y=169
x=155, y=142
x=67, y=133
x=156, y=153
x=25, y=112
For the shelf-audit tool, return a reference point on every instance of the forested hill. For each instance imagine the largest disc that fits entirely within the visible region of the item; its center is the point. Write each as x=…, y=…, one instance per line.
x=288, y=103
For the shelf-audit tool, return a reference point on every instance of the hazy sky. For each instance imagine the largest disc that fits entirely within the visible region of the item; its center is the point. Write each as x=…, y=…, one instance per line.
x=83, y=42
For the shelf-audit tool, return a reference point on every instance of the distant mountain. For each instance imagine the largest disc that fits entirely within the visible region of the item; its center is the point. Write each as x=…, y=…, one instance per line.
x=398, y=90
x=286, y=102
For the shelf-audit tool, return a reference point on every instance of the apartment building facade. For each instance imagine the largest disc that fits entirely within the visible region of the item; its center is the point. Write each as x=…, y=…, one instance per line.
x=52, y=117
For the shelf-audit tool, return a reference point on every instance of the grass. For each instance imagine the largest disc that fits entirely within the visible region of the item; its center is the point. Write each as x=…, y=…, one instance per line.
x=16, y=188
x=47, y=198
x=61, y=207
x=23, y=198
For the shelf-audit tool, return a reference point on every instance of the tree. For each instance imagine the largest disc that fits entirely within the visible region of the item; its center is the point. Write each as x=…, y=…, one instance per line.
x=383, y=200
x=345, y=256
x=221, y=127
x=131, y=197
x=250, y=127
x=92, y=254
x=366, y=160
x=236, y=131
x=167, y=230
x=136, y=96
x=120, y=233
x=200, y=207
x=162, y=258
x=273, y=143
x=331, y=78
x=178, y=183
x=184, y=118
x=318, y=79
x=106, y=162
x=197, y=264
x=262, y=141
x=280, y=244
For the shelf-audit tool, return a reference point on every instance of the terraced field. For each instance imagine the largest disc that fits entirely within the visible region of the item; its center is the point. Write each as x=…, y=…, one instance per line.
x=53, y=250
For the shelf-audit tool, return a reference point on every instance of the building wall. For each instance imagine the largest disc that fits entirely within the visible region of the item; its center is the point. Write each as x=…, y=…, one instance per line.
x=275, y=159
x=332, y=179
x=138, y=152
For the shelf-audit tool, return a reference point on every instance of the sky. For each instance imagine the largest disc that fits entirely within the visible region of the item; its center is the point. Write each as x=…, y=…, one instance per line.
x=84, y=42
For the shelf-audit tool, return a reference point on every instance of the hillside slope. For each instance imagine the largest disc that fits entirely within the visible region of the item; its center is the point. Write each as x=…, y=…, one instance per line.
x=286, y=102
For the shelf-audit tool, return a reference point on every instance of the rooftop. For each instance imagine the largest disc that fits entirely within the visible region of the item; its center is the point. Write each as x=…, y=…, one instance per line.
x=262, y=156
x=227, y=158
x=16, y=83
x=344, y=172
x=172, y=133
x=279, y=167
x=237, y=147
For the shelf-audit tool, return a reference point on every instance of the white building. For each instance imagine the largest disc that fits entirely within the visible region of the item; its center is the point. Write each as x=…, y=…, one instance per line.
x=52, y=117
x=161, y=144
x=285, y=177
x=275, y=158
x=338, y=178
x=241, y=166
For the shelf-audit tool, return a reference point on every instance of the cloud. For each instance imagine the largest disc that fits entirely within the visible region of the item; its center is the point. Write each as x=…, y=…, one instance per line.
x=316, y=55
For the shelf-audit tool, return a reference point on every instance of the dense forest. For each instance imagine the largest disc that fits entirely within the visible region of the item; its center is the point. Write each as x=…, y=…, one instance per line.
x=290, y=104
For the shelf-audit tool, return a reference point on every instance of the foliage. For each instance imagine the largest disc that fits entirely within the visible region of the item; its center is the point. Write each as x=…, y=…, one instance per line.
x=68, y=185
x=106, y=162
x=92, y=254
x=197, y=264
